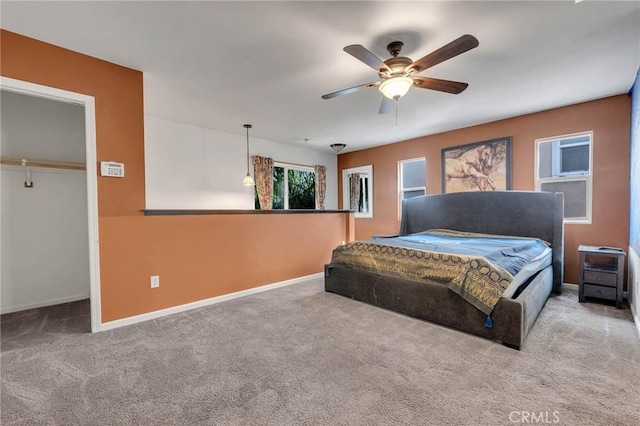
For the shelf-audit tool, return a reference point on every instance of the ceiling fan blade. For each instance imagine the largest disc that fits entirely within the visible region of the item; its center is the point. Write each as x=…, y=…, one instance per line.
x=386, y=106
x=350, y=90
x=363, y=54
x=448, y=86
x=448, y=51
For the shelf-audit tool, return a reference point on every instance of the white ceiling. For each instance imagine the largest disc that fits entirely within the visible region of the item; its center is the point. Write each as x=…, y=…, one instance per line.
x=221, y=64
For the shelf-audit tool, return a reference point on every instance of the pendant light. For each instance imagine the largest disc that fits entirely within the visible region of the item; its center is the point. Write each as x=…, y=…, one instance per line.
x=248, y=180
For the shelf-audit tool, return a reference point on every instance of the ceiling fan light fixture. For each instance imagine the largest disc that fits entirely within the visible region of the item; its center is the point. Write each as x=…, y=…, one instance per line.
x=337, y=147
x=396, y=87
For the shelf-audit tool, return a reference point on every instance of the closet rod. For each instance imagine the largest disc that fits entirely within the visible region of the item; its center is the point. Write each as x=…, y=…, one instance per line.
x=53, y=164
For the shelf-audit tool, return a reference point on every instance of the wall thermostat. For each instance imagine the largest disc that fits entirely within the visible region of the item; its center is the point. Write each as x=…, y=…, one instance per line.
x=111, y=169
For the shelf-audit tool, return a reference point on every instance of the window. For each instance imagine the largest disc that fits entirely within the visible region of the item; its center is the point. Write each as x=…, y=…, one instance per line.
x=564, y=164
x=294, y=187
x=412, y=180
x=357, y=190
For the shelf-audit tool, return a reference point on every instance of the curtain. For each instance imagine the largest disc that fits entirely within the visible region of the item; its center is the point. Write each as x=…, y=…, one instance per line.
x=321, y=186
x=354, y=191
x=263, y=171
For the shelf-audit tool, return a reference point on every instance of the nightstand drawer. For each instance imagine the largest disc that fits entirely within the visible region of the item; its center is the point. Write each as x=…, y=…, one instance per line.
x=601, y=278
x=600, y=291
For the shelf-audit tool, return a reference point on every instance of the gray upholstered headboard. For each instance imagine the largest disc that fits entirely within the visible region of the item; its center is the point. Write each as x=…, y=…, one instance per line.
x=521, y=213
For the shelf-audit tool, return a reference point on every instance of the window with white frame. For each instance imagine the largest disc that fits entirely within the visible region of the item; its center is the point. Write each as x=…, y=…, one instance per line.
x=294, y=187
x=564, y=164
x=357, y=190
x=412, y=179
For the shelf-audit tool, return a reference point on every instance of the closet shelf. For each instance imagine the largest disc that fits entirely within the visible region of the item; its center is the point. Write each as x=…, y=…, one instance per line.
x=52, y=164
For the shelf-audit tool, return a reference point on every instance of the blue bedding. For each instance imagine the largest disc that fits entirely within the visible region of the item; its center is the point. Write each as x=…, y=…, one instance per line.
x=510, y=253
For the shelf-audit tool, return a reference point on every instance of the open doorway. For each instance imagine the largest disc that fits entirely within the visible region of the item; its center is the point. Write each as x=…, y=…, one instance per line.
x=49, y=200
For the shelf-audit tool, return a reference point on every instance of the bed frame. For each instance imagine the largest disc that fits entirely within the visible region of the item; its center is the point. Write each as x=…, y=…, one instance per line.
x=519, y=213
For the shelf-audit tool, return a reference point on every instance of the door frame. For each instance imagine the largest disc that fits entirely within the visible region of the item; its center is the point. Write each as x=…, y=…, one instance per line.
x=88, y=102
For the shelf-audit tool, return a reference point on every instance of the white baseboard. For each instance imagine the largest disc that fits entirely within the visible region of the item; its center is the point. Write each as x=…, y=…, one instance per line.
x=10, y=309
x=201, y=303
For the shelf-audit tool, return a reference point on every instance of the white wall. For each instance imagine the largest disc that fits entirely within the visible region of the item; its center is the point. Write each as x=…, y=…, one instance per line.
x=43, y=230
x=190, y=167
x=41, y=128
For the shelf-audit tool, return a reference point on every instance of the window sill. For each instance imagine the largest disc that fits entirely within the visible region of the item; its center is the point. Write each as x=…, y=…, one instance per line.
x=577, y=221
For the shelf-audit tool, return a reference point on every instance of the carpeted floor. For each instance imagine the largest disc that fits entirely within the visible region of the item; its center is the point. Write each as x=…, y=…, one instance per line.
x=298, y=355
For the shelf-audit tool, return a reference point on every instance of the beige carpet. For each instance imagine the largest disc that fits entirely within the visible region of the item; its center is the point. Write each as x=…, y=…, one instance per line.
x=298, y=355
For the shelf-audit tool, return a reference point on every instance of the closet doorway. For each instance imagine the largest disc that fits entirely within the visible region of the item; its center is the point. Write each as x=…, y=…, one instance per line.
x=49, y=215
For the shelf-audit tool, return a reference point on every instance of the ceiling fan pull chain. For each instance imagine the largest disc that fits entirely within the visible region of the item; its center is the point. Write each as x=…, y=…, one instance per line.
x=396, y=112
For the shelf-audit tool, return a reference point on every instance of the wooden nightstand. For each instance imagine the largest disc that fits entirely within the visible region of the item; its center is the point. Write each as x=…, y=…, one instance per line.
x=600, y=279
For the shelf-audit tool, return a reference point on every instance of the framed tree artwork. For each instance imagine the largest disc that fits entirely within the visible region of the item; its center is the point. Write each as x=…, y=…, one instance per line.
x=479, y=166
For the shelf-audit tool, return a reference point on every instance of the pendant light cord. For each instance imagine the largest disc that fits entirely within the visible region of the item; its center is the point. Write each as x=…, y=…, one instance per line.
x=247, y=126
x=247, y=149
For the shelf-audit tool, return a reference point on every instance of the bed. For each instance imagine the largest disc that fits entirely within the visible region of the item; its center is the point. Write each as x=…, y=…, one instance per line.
x=532, y=215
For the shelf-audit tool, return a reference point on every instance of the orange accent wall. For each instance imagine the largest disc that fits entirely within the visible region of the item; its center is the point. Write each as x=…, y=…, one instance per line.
x=609, y=118
x=197, y=257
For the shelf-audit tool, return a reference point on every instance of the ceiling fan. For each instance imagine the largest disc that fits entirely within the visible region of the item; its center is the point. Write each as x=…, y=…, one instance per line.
x=399, y=73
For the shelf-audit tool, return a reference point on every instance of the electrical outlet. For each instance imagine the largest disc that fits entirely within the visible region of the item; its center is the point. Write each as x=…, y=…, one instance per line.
x=155, y=281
